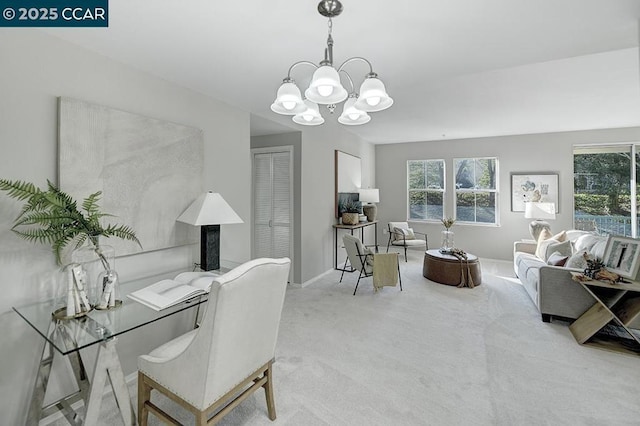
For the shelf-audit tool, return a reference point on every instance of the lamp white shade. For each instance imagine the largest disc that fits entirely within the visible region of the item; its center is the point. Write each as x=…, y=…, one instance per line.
x=325, y=87
x=369, y=195
x=373, y=96
x=352, y=116
x=209, y=209
x=288, y=100
x=310, y=116
x=534, y=210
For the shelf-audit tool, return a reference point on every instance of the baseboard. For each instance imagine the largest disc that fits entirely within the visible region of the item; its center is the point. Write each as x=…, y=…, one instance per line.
x=316, y=278
x=107, y=390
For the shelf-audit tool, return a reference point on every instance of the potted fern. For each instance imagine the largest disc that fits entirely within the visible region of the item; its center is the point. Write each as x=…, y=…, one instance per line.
x=52, y=217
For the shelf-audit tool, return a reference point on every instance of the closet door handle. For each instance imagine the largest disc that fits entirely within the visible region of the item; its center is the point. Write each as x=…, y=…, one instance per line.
x=270, y=223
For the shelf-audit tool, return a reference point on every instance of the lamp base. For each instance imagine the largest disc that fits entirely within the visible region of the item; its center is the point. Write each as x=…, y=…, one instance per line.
x=536, y=227
x=210, y=247
x=371, y=211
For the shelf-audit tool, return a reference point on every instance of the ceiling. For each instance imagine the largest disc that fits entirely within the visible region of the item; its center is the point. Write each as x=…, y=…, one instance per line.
x=455, y=68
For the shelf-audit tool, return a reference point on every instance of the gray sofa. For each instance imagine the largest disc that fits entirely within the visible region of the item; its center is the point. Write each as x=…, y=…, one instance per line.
x=551, y=288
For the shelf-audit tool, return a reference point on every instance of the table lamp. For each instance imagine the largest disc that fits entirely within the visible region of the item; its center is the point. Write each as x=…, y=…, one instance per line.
x=538, y=212
x=209, y=211
x=369, y=196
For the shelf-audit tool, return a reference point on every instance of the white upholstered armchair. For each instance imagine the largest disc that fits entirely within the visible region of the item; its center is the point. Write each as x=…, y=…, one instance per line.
x=232, y=351
x=400, y=235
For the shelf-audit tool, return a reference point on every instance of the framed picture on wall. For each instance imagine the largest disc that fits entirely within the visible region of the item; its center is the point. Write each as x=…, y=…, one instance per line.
x=348, y=176
x=621, y=256
x=533, y=187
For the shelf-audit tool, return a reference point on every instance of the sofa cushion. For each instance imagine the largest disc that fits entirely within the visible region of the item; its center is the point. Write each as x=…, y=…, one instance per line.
x=527, y=266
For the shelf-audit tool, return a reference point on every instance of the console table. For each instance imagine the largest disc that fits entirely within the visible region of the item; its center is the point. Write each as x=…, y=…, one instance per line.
x=617, y=303
x=352, y=228
x=98, y=327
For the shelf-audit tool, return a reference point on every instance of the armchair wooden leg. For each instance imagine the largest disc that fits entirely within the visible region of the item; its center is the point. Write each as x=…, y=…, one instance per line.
x=399, y=276
x=268, y=390
x=144, y=395
x=405, y=253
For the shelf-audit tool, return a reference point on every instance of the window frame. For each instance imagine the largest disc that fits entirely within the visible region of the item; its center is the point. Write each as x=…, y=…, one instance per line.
x=442, y=190
x=633, y=149
x=495, y=191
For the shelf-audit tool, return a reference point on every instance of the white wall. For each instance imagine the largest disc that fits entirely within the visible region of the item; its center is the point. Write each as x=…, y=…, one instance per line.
x=550, y=152
x=36, y=69
x=318, y=190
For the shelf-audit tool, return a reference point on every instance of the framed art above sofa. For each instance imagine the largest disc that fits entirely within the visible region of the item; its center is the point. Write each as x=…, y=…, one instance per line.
x=533, y=187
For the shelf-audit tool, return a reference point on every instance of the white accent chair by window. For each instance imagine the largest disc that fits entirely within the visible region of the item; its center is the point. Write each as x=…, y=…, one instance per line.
x=215, y=367
x=400, y=235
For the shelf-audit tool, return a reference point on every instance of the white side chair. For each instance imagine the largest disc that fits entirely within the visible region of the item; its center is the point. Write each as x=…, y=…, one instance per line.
x=360, y=259
x=215, y=367
x=399, y=236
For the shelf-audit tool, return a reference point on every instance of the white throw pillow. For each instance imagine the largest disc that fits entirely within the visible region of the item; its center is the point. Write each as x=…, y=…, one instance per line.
x=407, y=233
x=564, y=248
x=543, y=245
x=369, y=254
x=598, y=249
x=586, y=241
x=577, y=260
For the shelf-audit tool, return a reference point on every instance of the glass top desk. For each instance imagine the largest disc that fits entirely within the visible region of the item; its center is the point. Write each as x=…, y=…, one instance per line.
x=98, y=327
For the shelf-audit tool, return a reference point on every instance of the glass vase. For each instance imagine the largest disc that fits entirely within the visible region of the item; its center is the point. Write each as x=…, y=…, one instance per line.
x=447, y=240
x=95, y=262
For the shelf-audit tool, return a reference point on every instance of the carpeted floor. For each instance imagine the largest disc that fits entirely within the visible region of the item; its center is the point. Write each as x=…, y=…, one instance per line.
x=432, y=355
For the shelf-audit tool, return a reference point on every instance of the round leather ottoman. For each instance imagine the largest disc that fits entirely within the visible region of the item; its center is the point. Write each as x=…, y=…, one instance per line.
x=447, y=269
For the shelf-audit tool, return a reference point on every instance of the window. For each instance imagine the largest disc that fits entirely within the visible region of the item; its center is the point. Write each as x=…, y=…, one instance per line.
x=425, y=189
x=604, y=198
x=476, y=199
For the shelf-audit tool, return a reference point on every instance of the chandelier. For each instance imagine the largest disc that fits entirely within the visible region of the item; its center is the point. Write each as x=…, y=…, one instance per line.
x=326, y=89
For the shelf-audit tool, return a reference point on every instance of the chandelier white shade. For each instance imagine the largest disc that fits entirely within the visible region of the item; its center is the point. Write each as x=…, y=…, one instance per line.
x=288, y=100
x=310, y=116
x=373, y=96
x=351, y=115
x=326, y=87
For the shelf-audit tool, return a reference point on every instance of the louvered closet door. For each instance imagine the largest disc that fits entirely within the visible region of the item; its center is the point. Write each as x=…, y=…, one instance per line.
x=272, y=204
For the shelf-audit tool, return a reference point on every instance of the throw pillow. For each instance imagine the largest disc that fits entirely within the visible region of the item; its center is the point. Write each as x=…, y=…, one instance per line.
x=369, y=258
x=557, y=259
x=577, y=260
x=560, y=236
x=598, y=249
x=586, y=241
x=563, y=247
x=545, y=239
x=407, y=233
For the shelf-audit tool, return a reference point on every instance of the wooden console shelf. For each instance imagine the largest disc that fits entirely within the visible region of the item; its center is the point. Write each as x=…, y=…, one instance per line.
x=617, y=304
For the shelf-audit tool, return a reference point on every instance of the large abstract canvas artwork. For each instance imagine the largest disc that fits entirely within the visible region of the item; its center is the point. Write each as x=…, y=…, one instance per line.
x=148, y=170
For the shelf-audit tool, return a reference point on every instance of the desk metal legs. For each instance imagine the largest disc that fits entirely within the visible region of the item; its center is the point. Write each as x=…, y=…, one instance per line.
x=36, y=410
x=107, y=365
